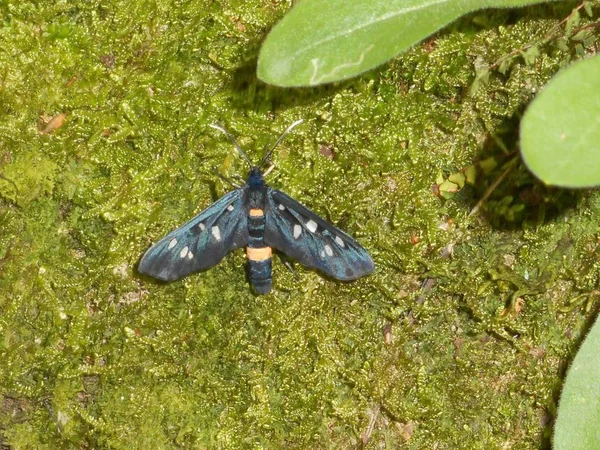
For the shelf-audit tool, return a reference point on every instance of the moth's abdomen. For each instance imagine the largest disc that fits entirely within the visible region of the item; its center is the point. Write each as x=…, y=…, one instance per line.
x=259, y=260
x=259, y=254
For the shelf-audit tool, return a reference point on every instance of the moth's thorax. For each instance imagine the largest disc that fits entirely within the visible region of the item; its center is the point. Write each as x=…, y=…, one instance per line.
x=255, y=179
x=257, y=190
x=257, y=197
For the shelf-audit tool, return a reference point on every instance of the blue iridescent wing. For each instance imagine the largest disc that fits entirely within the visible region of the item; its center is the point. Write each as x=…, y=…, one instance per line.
x=200, y=243
x=299, y=233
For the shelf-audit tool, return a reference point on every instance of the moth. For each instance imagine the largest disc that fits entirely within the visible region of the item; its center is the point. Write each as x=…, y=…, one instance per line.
x=262, y=219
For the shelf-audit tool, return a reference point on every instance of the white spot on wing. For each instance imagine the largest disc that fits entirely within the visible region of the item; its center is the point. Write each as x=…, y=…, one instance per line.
x=230, y=208
x=328, y=250
x=183, y=252
x=201, y=226
x=281, y=207
x=322, y=254
x=173, y=243
x=311, y=225
x=338, y=241
x=297, y=231
x=216, y=233
x=190, y=255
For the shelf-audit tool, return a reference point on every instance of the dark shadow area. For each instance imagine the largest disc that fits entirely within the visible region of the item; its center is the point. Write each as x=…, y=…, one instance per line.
x=519, y=200
x=256, y=95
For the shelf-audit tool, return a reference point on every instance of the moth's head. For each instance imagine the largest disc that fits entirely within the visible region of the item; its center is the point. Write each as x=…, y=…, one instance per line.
x=255, y=177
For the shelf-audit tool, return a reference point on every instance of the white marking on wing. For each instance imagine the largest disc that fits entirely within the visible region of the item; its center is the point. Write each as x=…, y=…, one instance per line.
x=311, y=225
x=183, y=252
x=297, y=231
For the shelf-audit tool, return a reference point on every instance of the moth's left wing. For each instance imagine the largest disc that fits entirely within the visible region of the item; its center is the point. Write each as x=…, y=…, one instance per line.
x=298, y=232
x=200, y=243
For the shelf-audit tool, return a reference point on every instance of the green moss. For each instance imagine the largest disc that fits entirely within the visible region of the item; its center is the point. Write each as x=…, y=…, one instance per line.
x=95, y=355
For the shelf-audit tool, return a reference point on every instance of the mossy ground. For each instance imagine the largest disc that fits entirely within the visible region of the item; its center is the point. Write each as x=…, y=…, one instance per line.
x=478, y=310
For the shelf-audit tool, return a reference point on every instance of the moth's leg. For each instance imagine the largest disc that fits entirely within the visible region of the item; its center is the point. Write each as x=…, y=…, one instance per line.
x=225, y=179
x=268, y=171
x=287, y=263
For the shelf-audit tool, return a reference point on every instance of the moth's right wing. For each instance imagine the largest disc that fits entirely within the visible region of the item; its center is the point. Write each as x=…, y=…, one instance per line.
x=298, y=232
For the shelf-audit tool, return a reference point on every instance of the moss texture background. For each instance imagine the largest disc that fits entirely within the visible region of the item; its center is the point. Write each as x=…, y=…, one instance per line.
x=459, y=340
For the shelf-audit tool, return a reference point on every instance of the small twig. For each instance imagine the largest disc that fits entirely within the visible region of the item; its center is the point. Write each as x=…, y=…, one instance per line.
x=366, y=436
x=586, y=27
x=492, y=188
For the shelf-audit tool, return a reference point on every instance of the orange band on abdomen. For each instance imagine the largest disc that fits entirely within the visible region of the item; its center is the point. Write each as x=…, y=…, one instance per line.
x=259, y=254
x=256, y=212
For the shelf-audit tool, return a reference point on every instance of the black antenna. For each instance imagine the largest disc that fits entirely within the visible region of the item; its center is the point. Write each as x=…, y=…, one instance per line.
x=285, y=133
x=218, y=126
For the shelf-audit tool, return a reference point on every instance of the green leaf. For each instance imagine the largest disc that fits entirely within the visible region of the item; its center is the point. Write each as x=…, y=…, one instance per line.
x=573, y=21
x=482, y=76
x=560, y=131
x=488, y=165
x=562, y=44
x=531, y=54
x=471, y=174
x=582, y=35
x=323, y=41
x=579, y=409
x=448, y=189
x=458, y=178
